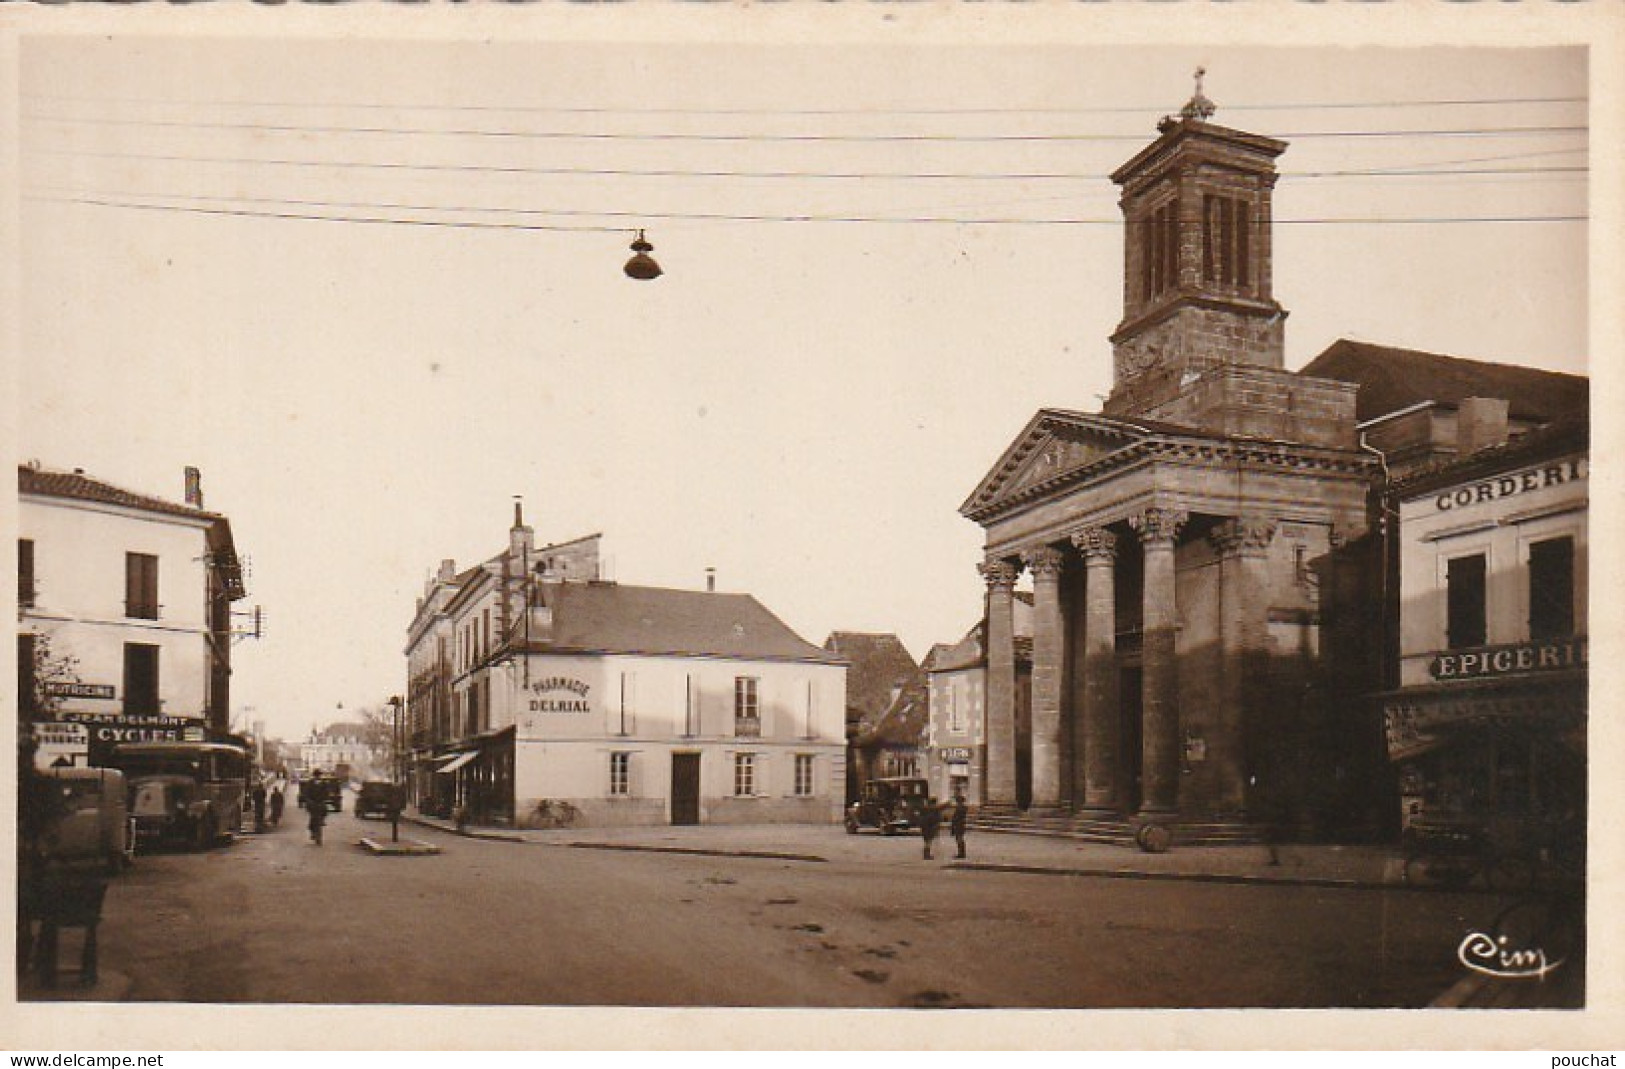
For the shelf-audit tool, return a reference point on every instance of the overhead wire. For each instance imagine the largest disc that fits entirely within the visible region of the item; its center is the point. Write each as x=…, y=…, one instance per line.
x=1146, y=109
x=109, y=201
x=1421, y=170
x=672, y=136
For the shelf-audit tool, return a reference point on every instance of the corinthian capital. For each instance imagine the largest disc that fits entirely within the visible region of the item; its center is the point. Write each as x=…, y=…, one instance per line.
x=1095, y=543
x=1044, y=562
x=1159, y=524
x=1244, y=534
x=999, y=574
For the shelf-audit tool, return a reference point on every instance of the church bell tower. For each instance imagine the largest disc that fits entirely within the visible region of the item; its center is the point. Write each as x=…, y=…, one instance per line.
x=1197, y=267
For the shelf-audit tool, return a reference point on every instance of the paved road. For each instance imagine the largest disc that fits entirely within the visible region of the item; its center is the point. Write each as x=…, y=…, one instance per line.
x=273, y=918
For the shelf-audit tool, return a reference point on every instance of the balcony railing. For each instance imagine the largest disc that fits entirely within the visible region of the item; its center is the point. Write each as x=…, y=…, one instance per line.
x=748, y=727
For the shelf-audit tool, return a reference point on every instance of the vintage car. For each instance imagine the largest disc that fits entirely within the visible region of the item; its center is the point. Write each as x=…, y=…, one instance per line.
x=891, y=803
x=93, y=824
x=193, y=791
x=377, y=798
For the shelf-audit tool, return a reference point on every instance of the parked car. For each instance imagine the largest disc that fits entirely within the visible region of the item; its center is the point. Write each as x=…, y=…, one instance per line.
x=892, y=804
x=377, y=798
x=329, y=789
x=95, y=823
x=195, y=791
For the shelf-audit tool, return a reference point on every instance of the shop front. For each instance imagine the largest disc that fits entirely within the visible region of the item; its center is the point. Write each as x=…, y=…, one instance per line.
x=1496, y=742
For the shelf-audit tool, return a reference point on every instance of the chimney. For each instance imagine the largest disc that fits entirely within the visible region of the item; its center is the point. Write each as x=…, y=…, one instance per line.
x=521, y=539
x=710, y=580
x=194, y=487
x=448, y=571
x=1481, y=422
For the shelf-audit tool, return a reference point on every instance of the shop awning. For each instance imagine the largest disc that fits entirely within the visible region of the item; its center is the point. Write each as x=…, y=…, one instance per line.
x=458, y=762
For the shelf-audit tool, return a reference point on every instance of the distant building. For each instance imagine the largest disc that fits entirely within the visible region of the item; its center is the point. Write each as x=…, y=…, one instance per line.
x=353, y=748
x=138, y=591
x=879, y=667
x=1488, y=720
x=539, y=694
x=955, y=743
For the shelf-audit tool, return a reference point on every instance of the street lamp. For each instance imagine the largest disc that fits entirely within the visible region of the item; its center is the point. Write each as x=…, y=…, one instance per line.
x=642, y=266
x=398, y=790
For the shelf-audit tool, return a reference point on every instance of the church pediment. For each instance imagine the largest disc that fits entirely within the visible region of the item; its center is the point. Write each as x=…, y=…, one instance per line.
x=1053, y=445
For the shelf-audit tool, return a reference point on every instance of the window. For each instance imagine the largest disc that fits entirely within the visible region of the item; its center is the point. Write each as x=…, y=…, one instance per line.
x=620, y=768
x=956, y=712
x=747, y=711
x=1464, y=583
x=744, y=775
x=27, y=695
x=25, y=571
x=691, y=707
x=624, y=715
x=141, y=586
x=1551, y=589
x=804, y=774
x=140, y=679
x=1226, y=240
x=1159, y=251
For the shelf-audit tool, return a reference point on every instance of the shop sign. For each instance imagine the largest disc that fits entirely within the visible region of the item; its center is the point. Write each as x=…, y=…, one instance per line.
x=560, y=694
x=1486, y=661
x=956, y=753
x=1508, y=485
x=107, y=732
x=102, y=691
x=61, y=745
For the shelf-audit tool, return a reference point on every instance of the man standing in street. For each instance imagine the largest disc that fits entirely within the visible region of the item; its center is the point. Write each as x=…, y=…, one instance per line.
x=930, y=818
x=956, y=823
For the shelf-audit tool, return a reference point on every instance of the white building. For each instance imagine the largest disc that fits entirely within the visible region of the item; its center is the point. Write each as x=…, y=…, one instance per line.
x=348, y=748
x=956, y=741
x=137, y=591
x=1489, y=720
x=541, y=694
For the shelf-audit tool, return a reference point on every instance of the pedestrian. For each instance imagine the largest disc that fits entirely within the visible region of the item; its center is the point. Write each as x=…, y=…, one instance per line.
x=277, y=802
x=930, y=823
x=315, y=799
x=956, y=823
x=258, y=798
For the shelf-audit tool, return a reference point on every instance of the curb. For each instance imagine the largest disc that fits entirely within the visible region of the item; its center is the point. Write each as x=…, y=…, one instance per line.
x=1200, y=877
x=405, y=848
x=467, y=833
x=768, y=855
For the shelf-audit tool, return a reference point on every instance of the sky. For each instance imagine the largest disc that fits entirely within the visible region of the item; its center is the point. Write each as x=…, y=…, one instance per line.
x=880, y=261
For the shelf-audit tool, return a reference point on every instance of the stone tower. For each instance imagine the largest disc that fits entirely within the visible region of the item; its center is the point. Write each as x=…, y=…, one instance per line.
x=1201, y=342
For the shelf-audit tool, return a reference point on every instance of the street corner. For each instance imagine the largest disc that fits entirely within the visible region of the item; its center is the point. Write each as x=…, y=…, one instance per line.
x=404, y=848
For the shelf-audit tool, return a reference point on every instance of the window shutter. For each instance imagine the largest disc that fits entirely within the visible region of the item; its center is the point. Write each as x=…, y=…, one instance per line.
x=630, y=682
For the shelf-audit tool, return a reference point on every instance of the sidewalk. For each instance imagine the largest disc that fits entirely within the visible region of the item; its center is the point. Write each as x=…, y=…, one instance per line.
x=1305, y=865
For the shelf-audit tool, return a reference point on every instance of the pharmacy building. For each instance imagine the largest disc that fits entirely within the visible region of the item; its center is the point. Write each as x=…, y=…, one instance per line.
x=541, y=695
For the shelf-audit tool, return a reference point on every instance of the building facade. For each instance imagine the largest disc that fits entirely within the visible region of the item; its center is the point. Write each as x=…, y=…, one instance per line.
x=131, y=595
x=350, y=749
x=1194, y=547
x=957, y=737
x=542, y=695
x=878, y=669
x=1488, y=721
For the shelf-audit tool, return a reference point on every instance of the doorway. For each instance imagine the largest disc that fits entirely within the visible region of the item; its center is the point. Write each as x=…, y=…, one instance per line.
x=1130, y=736
x=685, y=788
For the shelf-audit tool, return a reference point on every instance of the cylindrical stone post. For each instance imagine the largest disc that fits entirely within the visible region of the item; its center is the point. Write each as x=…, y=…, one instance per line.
x=1243, y=546
x=1100, y=697
x=1158, y=528
x=1049, y=634
x=999, y=776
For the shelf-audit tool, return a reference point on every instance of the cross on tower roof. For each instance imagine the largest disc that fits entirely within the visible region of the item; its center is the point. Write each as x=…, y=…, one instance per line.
x=1199, y=106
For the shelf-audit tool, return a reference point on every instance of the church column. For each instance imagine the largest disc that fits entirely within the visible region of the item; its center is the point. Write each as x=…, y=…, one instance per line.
x=1049, y=649
x=1158, y=528
x=1243, y=544
x=1100, y=699
x=1000, y=703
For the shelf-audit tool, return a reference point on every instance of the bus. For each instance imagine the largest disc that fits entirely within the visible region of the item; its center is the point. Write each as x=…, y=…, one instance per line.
x=191, y=791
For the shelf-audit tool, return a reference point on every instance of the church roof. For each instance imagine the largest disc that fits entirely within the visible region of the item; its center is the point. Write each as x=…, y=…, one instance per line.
x=1391, y=379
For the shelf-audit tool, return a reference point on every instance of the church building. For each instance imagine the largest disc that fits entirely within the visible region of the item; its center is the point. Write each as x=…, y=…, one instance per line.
x=1198, y=548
